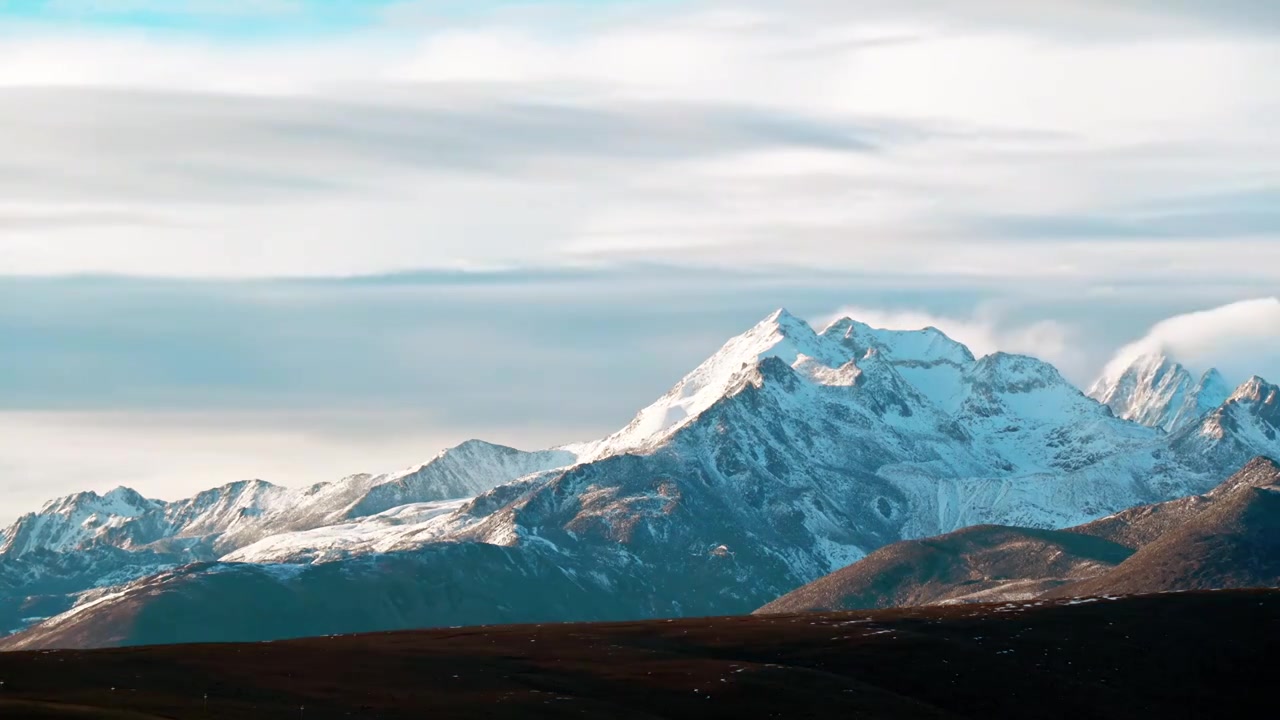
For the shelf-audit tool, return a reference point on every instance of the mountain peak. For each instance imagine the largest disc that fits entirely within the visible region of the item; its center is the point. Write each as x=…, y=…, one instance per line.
x=65, y=522
x=1248, y=420
x=781, y=323
x=469, y=446
x=1156, y=390
x=780, y=335
x=124, y=494
x=1212, y=377
x=1255, y=389
x=782, y=316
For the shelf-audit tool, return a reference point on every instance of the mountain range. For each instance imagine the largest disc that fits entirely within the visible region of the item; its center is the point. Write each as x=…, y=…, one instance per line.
x=789, y=454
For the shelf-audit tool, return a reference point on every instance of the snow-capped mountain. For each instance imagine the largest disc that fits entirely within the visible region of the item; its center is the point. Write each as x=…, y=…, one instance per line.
x=1248, y=422
x=85, y=541
x=830, y=358
x=1156, y=391
x=223, y=519
x=69, y=521
x=786, y=455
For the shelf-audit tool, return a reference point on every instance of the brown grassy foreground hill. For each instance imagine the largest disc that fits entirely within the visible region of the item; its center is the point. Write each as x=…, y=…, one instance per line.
x=1191, y=655
x=1226, y=538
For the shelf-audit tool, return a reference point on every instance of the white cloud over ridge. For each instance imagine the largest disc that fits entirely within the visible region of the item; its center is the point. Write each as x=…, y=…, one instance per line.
x=1240, y=339
x=975, y=141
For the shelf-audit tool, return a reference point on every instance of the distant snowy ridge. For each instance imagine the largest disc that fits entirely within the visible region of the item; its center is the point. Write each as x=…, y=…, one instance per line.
x=64, y=523
x=234, y=515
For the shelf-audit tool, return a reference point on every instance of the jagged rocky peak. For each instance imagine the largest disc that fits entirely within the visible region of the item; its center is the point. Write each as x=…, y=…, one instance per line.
x=1148, y=377
x=1157, y=391
x=1255, y=390
x=1249, y=419
x=1261, y=400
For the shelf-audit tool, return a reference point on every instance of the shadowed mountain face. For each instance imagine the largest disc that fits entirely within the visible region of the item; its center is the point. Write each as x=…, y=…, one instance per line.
x=1227, y=538
x=1193, y=655
x=787, y=455
x=467, y=583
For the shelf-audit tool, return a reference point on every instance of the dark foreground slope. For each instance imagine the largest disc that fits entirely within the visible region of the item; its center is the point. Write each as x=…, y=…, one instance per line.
x=992, y=562
x=1226, y=538
x=1168, y=656
x=1229, y=537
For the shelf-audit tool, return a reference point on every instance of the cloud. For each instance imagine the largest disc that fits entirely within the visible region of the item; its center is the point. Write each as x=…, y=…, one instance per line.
x=254, y=8
x=1243, y=213
x=986, y=330
x=855, y=135
x=1240, y=339
x=471, y=346
x=70, y=217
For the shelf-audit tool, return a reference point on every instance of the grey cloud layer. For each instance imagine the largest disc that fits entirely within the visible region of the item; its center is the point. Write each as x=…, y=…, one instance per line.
x=554, y=348
x=1096, y=19
x=76, y=144
x=850, y=134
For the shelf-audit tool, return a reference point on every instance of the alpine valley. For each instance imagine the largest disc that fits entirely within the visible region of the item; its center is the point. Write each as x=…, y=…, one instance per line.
x=788, y=455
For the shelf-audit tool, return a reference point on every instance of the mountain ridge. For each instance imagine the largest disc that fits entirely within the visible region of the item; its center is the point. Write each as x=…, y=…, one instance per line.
x=788, y=454
x=221, y=513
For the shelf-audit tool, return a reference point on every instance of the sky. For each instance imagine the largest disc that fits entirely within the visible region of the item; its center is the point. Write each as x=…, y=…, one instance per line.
x=296, y=239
